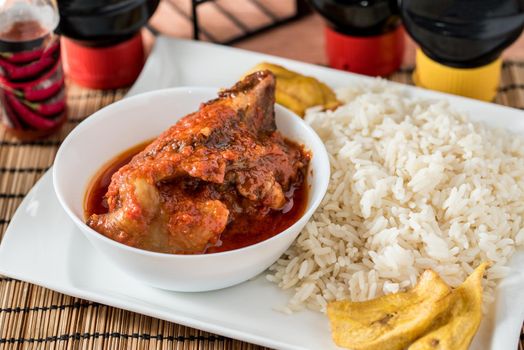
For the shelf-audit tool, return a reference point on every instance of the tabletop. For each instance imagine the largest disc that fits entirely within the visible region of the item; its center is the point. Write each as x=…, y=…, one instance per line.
x=32, y=317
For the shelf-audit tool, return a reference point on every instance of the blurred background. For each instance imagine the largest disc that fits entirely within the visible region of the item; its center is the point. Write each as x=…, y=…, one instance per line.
x=228, y=21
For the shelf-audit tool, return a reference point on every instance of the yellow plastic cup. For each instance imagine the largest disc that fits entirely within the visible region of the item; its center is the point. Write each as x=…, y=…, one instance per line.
x=479, y=82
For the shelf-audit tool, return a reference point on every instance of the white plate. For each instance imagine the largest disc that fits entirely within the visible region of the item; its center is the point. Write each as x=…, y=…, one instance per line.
x=42, y=245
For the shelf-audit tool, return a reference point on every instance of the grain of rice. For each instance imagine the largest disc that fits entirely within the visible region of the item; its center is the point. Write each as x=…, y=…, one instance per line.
x=414, y=185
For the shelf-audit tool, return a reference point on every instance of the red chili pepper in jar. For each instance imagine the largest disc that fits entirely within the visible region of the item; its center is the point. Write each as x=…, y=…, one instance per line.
x=28, y=116
x=31, y=83
x=34, y=95
x=46, y=109
x=28, y=56
x=10, y=115
x=27, y=71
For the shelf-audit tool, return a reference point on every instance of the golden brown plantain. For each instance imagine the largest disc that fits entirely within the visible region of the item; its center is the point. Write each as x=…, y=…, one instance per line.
x=456, y=328
x=298, y=92
x=392, y=321
x=430, y=316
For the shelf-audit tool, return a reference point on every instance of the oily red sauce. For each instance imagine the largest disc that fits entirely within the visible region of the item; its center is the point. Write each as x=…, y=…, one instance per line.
x=95, y=202
x=244, y=231
x=23, y=31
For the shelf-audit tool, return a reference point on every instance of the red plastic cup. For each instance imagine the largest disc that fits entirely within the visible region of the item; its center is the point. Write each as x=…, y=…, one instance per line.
x=107, y=67
x=378, y=55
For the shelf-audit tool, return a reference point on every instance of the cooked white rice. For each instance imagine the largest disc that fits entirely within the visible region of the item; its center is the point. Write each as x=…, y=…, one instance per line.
x=414, y=185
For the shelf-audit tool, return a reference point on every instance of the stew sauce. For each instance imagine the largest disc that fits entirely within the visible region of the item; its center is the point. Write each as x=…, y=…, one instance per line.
x=244, y=231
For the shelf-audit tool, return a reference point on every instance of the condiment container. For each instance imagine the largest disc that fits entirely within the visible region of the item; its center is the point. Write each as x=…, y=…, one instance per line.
x=32, y=93
x=461, y=42
x=101, y=40
x=362, y=36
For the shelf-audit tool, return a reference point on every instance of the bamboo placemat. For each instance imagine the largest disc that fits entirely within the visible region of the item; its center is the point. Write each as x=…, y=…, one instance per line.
x=32, y=317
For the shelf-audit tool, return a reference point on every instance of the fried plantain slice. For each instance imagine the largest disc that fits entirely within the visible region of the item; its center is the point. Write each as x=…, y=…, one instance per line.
x=298, y=92
x=456, y=328
x=390, y=322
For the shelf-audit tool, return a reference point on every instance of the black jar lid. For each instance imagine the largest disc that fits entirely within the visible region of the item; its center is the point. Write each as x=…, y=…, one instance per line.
x=102, y=22
x=463, y=33
x=78, y=7
x=359, y=17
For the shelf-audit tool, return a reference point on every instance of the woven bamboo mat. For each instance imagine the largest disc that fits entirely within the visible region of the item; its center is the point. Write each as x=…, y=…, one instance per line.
x=32, y=317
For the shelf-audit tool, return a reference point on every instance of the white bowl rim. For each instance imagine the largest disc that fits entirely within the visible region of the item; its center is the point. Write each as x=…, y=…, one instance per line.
x=105, y=112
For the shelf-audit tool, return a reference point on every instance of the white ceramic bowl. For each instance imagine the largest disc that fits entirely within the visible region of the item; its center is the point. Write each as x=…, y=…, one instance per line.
x=126, y=123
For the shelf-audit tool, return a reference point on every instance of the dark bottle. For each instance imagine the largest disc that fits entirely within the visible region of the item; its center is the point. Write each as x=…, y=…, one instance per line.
x=101, y=40
x=362, y=36
x=461, y=42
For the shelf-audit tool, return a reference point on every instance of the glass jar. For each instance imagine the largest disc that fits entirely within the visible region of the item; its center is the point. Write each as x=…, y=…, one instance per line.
x=32, y=93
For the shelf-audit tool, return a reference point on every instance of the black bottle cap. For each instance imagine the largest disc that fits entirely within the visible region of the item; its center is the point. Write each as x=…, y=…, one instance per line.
x=359, y=17
x=102, y=23
x=463, y=33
